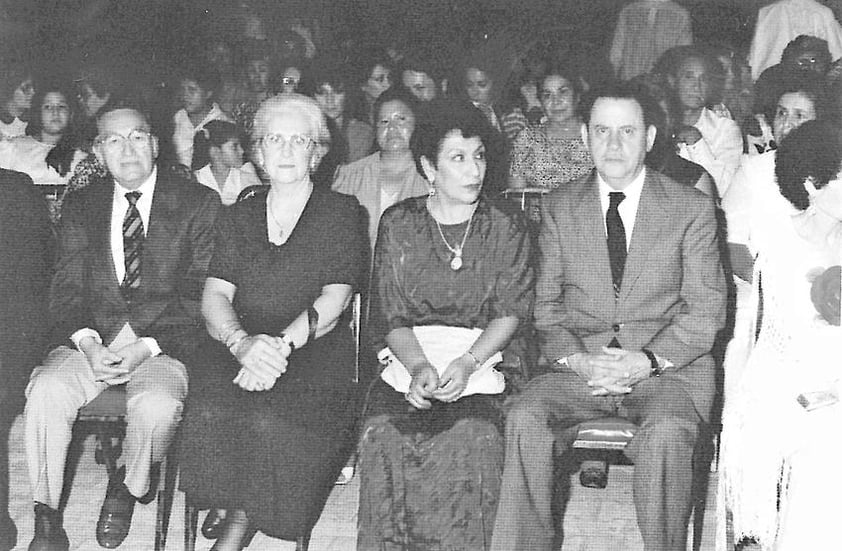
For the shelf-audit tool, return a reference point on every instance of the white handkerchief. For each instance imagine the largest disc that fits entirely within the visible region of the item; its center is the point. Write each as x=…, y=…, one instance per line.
x=441, y=345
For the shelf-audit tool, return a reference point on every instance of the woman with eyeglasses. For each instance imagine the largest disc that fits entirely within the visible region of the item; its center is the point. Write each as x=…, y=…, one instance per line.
x=552, y=153
x=273, y=402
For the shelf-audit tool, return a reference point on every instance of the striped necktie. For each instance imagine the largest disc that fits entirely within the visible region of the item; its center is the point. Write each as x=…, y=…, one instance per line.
x=132, y=243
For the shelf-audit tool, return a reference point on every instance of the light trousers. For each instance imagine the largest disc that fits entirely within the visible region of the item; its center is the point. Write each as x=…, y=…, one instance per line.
x=65, y=382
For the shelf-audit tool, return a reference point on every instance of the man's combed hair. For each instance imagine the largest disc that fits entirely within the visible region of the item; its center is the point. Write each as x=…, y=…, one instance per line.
x=621, y=90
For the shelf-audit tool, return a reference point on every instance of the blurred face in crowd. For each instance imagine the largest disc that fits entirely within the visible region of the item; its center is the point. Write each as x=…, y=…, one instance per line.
x=55, y=113
x=378, y=82
x=794, y=109
x=558, y=99
x=257, y=75
x=290, y=80
x=331, y=100
x=395, y=125
x=194, y=98
x=459, y=170
x=286, y=148
x=126, y=147
x=231, y=154
x=478, y=86
x=691, y=83
x=810, y=60
x=220, y=56
x=420, y=84
x=729, y=75
x=618, y=139
x=21, y=100
x=90, y=101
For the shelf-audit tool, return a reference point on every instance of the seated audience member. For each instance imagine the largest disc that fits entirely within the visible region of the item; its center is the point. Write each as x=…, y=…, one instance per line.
x=781, y=419
x=374, y=76
x=753, y=198
x=552, y=153
x=520, y=105
x=218, y=161
x=24, y=285
x=272, y=411
x=803, y=54
x=351, y=139
x=452, y=288
x=420, y=76
x=124, y=298
x=703, y=137
x=389, y=175
x=477, y=82
x=96, y=85
x=258, y=75
x=289, y=77
x=733, y=91
x=48, y=152
x=629, y=342
x=219, y=54
x=664, y=157
x=196, y=89
x=16, y=91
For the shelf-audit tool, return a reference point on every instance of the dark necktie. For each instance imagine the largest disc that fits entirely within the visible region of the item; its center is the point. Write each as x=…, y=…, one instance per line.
x=132, y=243
x=616, y=239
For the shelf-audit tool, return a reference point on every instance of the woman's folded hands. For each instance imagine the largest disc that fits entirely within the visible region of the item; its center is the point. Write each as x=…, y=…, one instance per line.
x=263, y=359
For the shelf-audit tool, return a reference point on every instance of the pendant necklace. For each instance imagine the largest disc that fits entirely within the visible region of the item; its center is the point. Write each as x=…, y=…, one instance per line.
x=456, y=261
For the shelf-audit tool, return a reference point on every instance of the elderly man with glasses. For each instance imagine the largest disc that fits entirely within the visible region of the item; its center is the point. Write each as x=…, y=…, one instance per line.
x=125, y=305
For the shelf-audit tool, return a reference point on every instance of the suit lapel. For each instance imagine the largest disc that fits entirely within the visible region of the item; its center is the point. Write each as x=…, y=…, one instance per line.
x=650, y=223
x=161, y=230
x=102, y=201
x=591, y=225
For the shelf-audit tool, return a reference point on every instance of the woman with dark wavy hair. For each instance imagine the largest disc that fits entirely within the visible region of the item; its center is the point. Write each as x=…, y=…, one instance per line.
x=451, y=293
x=781, y=418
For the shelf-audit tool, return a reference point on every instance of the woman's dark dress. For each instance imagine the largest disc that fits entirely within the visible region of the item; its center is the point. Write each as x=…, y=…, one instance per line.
x=430, y=479
x=277, y=453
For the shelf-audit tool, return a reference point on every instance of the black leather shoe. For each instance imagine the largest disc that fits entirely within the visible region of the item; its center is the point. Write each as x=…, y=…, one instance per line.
x=236, y=534
x=154, y=479
x=594, y=474
x=115, y=517
x=49, y=532
x=213, y=524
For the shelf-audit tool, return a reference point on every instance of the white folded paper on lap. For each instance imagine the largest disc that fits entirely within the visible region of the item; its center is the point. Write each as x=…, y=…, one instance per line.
x=441, y=345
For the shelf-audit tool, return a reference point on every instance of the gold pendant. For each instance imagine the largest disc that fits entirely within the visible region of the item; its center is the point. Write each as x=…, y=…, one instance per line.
x=456, y=263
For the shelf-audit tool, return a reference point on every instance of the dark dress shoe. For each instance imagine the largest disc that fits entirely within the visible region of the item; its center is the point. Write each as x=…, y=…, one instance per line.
x=213, y=524
x=237, y=533
x=115, y=517
x=49, y=532
x=594, y=474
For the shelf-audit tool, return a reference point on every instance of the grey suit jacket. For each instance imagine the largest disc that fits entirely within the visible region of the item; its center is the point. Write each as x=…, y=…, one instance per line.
x=672, y=300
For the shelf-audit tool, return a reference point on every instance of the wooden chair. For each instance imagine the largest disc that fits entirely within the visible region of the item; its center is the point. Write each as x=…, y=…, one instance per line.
x=106, y=417
x=302, y=543
x=611, y=435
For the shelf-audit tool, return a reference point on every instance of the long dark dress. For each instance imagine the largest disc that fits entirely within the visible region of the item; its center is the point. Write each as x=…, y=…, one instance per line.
x=277, y=453
x=430, y=479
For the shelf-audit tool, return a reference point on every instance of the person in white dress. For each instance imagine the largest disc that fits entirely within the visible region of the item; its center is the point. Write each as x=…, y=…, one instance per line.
x=219, y=152
x=780, y=440
x=197, y=87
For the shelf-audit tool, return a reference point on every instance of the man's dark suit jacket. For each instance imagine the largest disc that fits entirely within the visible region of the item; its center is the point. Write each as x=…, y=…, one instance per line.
x=672, y=298
x=176, y=253
x=25, y=258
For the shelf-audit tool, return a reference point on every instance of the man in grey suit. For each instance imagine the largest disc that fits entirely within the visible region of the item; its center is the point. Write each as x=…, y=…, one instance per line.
x=627, y=324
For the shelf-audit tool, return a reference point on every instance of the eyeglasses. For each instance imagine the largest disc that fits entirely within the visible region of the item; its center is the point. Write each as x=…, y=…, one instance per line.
x=289, y=81
x=115, y=142
x=296, y=141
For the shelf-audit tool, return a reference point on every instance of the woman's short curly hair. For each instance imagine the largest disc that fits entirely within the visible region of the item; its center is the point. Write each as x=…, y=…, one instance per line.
x=438, y=119
x=814, y=151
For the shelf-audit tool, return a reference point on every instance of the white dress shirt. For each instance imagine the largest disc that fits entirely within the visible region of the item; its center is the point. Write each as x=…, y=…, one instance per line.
x=119, y=207
x=628, y=208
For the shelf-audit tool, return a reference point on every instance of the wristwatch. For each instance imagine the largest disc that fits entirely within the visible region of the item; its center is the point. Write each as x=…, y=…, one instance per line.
x=655, y=366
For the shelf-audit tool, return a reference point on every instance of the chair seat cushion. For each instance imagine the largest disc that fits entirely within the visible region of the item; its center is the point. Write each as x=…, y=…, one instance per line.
x=609, y=433
x=109, y=405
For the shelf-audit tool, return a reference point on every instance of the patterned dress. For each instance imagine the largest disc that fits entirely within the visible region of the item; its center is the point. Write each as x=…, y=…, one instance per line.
x=547, y=162
x=430, y=479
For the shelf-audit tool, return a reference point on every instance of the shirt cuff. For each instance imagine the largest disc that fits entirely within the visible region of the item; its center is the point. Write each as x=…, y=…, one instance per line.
x=77, y=337
x=153, y=346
